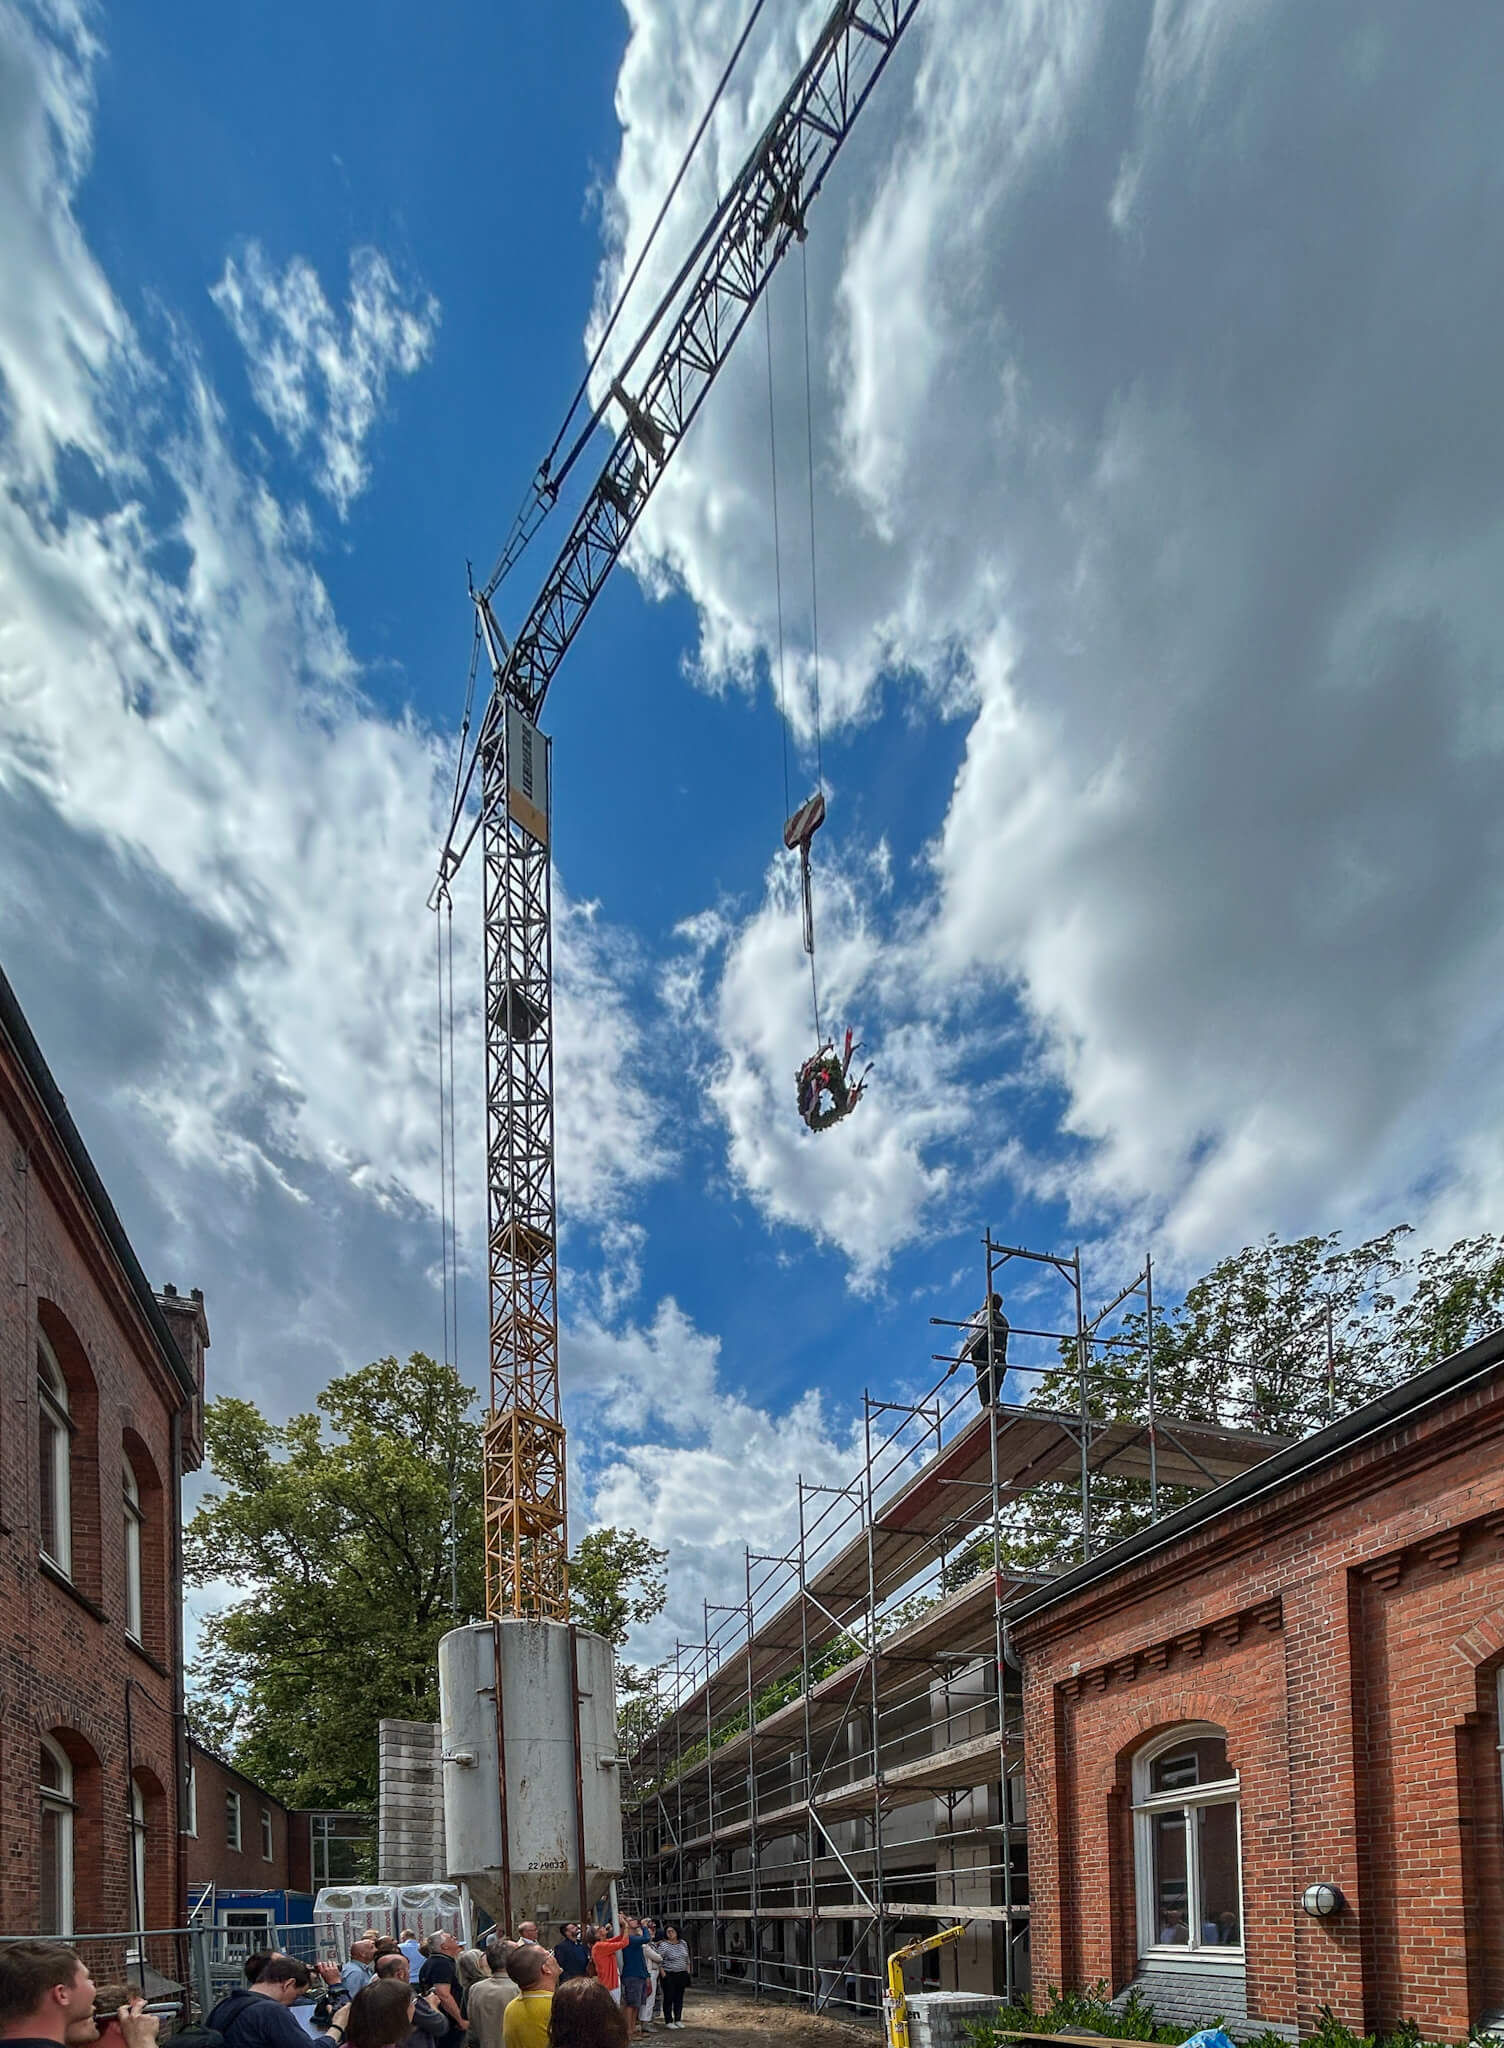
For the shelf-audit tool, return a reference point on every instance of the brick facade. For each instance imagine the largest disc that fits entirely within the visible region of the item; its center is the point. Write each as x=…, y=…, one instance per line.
x=210, y=1857
x=69, y=1670
x=1346, y=1630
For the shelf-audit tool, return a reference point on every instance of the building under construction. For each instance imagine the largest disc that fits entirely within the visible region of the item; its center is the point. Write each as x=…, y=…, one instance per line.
x=837, y=1765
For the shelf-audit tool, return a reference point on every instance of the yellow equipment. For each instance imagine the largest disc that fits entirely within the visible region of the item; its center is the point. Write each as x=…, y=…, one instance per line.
x=896, y=2005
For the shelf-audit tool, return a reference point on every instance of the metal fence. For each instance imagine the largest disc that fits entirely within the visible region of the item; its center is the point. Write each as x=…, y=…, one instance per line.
x=183, y=1972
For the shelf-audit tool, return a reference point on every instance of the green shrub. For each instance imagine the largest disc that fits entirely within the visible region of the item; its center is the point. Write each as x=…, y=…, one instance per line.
x=1088, y=2011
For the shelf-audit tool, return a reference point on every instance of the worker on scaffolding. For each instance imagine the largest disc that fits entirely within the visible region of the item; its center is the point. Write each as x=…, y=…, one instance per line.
x=986, y=1350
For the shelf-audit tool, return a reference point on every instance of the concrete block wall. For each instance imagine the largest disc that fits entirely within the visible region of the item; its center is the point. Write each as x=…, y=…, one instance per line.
x=410, y=1803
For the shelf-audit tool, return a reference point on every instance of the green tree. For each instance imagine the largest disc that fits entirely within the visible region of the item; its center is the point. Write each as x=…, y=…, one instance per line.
x=616, y=1583
x=338, y=1530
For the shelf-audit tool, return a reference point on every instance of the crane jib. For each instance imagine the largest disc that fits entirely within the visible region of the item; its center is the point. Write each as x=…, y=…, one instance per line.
x=714, y=295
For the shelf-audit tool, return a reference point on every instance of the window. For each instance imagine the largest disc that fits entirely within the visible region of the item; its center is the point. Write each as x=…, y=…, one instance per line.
x=55, y=1459
x=266, y=1834
x=132, y=1553
x=1186, y=1848
x=57, y=1839
x=246, y=1930
x=137, y=1950
x=190, y=1802
x=232, y=1820
x=343, y=1848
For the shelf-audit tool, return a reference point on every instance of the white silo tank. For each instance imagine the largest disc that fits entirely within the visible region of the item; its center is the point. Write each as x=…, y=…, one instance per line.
x=549, y=1767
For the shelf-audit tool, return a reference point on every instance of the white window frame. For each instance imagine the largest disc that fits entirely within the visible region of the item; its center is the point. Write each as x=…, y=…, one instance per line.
x=190, y=1802
x=59, y=1800
x=267, y=1848
x=53, y=1412
x=1147, y=1806
x=132, y=1509
x=233, y=1834
x=137, y=1902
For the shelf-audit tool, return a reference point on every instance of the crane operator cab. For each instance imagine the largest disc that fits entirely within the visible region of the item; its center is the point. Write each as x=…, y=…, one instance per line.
x=826, y=1090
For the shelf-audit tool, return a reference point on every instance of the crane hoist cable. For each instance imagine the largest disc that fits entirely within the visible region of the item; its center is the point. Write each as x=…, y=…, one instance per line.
x=446, y=1102
x=824, y=1089
x=814, y=583
x=454, y=1212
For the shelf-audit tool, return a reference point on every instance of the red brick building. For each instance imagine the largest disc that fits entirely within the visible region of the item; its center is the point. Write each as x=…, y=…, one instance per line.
x=237, y=1836
x=101, y=1412
x=1293, y=1682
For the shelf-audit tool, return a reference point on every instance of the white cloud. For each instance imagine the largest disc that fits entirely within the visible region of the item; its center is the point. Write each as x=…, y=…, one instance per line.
x=874, y=1181
x=217, y=849
x=1142, y=439
x=60, y=327
x=690, y=1463
x=314, y=376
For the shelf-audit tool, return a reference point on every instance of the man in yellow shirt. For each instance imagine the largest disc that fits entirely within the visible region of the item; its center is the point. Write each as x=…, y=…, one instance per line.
x=535, y=1973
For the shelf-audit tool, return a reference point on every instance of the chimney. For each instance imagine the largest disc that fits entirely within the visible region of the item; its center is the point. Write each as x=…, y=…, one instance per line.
x=190, y=1327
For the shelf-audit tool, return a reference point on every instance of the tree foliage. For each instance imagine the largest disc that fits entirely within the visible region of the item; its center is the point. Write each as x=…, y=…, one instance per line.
x=338, y=1531
x=616, y=1583
x=335, y=1530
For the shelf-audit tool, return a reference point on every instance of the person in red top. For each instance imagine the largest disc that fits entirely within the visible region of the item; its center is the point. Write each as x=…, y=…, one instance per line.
x=605, y=1954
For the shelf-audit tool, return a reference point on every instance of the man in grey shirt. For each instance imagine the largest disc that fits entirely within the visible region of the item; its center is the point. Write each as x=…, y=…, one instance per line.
x=487, y=2003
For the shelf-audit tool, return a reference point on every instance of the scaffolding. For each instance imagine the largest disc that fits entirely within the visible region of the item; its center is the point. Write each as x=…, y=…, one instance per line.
x=837, y=1765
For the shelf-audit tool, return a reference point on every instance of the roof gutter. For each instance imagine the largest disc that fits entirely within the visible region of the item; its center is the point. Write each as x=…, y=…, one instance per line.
x=15, y=1028
x=1451, y=1376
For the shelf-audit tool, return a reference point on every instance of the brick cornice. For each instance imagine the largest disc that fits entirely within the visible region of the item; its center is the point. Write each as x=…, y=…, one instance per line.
x=1441, y=1548
x=1185, y=1648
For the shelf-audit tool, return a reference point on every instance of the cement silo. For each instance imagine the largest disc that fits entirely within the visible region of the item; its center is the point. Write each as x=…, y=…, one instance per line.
x=532, y=1803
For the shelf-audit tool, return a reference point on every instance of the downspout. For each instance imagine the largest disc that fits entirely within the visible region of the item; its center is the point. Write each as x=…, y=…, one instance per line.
x=179, y=1687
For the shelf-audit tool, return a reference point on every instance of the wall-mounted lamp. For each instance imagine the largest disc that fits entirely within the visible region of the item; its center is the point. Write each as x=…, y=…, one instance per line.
x=463, y=1757
x=1321, y=1901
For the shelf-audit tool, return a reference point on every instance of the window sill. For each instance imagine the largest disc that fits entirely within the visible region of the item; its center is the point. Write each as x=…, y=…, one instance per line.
x=1213, y=1962
x=59, y=1577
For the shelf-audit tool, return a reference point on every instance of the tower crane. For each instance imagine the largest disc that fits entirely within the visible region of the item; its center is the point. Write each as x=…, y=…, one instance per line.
x=719, y=284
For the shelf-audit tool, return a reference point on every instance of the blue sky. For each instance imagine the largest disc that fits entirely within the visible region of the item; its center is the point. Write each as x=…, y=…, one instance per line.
x=1157, y=530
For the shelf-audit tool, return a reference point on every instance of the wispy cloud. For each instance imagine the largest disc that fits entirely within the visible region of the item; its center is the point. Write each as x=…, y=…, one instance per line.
x=321, y=378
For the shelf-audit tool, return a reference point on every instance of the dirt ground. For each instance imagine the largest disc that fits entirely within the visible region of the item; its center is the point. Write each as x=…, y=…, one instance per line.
x=728, y=2019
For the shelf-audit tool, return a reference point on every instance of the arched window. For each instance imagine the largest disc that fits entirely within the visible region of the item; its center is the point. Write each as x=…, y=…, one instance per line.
x=55, y=1445
x=133, y=1519
x=57, y=1839
x=138, y=1868
x=1187, y=1856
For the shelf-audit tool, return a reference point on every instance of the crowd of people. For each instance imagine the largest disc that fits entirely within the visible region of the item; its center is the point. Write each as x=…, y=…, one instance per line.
x=595, y=1992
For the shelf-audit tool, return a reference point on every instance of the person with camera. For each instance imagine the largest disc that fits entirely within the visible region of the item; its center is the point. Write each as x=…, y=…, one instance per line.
x=261, y=2016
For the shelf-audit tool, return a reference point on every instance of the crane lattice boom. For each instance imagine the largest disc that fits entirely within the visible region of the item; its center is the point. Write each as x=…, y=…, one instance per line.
x=766, y=209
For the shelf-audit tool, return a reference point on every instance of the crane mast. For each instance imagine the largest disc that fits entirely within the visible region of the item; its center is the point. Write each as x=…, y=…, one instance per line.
x=762, y=213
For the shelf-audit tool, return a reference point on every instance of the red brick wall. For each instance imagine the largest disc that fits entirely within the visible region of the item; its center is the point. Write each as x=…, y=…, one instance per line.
x=210, y=1858
x=1345, y=1633
x=66, y=1666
